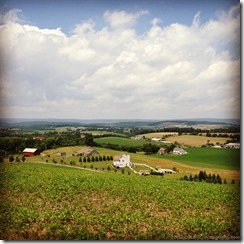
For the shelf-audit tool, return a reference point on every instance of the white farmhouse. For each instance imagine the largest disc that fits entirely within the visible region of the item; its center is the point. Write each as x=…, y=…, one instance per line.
x=178, y=150
x=121, y=161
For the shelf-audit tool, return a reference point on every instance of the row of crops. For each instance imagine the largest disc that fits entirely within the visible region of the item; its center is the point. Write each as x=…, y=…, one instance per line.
x=47, y=202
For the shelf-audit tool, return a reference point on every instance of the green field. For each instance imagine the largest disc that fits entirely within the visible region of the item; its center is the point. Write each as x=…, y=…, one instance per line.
x=218, y=158
x=50, y=202
x=122, y=141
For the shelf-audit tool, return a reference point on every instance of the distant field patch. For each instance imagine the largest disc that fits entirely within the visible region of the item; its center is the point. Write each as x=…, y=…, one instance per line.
x=191, y=140
x=122, y=141
x=158, y=134
x=221, y=158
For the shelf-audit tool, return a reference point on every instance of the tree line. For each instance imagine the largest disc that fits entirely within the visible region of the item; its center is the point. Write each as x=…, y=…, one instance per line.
x=202, y=176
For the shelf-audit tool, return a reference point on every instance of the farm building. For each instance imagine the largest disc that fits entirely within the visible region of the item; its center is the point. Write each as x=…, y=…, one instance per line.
x=121, y=161
x=29, y=152
x=162, y=151
x=232, y=145
x=87, y=152
x=178, y=150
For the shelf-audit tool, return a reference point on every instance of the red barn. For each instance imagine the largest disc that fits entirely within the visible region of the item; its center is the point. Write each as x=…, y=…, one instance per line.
x=29, y=152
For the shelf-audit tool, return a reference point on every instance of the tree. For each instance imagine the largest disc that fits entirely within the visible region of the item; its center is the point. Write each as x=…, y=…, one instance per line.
x=84, y=160
x=89, y=140
x=190, y=178
x=11, y=159
x=219, y=180
x=185, y=178
x=3, y=153
x=80, y=160
x=150, y=148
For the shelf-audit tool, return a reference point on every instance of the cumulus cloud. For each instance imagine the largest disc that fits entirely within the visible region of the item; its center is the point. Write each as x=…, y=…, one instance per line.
x=174, y=71
x=122, y=19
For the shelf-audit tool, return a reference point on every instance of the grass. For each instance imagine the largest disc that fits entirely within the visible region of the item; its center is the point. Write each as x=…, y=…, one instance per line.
x=123, y=141
x=218, y=158
x=213, y=160
x=47, y=202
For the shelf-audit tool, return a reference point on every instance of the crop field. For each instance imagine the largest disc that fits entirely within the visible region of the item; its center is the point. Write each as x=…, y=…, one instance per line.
x=191, y=140
x=49, y=202
x=187, y=140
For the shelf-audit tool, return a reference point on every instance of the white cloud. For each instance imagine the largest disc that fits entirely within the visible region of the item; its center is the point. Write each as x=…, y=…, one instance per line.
x=11, y=16
x=174, y=71
x=196, y=20
x=156, y=21
x=119, y=19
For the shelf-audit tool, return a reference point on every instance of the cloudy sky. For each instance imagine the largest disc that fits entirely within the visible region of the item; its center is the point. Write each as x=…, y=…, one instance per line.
x=105, y=59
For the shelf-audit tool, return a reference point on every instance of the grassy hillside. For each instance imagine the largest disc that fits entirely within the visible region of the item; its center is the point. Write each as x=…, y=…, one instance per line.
x=213, y=160
x=221, y=158
x=49, y=202
x=122, y=141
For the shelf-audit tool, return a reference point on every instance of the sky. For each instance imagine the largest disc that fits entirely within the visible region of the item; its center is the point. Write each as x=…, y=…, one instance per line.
x=105, y=59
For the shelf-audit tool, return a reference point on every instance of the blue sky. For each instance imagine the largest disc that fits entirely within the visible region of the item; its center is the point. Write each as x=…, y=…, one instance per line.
x=66, y=14
x=157, y=59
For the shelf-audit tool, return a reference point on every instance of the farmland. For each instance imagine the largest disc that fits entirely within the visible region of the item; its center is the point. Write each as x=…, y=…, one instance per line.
x=47, y=202
x=68, y=197
x=122, y=141
x=190, y=140
x=211, y=159
x=187, y=140
x=208, y=158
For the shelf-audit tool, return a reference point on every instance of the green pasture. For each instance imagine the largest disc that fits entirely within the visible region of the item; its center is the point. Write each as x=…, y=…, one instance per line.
x=123, y=141
x=219, y=158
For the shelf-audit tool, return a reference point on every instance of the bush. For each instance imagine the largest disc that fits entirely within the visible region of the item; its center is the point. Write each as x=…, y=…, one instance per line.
x=11, y=159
